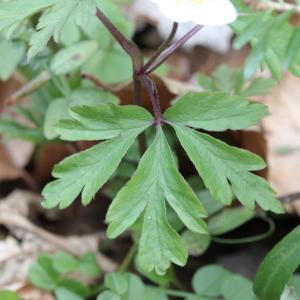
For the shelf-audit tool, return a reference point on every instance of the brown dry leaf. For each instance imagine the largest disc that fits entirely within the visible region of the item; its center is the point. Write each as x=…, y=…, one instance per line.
x=7, y=88
x=282, y=132
x=252, y=140
x=167, y=88
x=31, y=293
x=179, y=88
x=14, y=156
x=47, y=156
x=26, y=240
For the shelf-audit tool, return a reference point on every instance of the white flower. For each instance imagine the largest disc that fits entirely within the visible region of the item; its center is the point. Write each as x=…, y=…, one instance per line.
x=204, y=12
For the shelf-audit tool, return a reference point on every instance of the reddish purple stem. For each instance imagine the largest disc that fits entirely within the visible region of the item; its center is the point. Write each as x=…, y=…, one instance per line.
x=170, y=50
x=141, y=72
x=131, y=49
x=150, y=86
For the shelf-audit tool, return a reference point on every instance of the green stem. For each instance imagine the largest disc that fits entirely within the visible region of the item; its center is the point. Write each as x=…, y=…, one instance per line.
x=128, y=259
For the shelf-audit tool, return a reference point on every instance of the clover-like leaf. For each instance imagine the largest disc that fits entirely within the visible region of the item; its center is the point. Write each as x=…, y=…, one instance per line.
x=155, y=180
x=226, y=169
x=215, y=111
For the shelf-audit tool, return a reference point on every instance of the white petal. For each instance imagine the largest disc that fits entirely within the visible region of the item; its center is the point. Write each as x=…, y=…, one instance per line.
x=214, y=13
x=205, y=12
x=176, y=12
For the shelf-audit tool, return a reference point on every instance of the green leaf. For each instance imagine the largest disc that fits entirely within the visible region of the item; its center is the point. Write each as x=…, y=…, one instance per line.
x=274, y=63
x=73, y=57
x=215, y=111
x=278, y=266
x=161, y=280
x=11, y=55
x=159, y=243
x=126, y=286
x=156, y=178
x=136, y=288
x=43, y=275
x=208, y=280
x=196, y=243
x=292, y=49
x=259, y=86
x=13, y=129
x=70, y=33
x=59, y=108
x=211, y=205
x=108, y=295
x=64, y=262
x=75, y=286
x=102, y=122
x=8, y=295
x=117, y=282
x=274, y=34
x=229, y=219
x=254, y=60
x=86, y=172
x=105, y=62
x=12, y=13
x=154, y=294
x=85, y=10
x=52, y=22
x=237, y=287
x=250, y=31
x=88, y=265
x=92, y=97
x=64, y=294
x=218, y=164
x=206, y=82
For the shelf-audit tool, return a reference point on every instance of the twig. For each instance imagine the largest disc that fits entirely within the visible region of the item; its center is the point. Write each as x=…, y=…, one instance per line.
x=278, y=6
x=28, y=88
x=290, y=197
x=281, y=6
x=12, y=219
x=30, y=181
x=98, y=83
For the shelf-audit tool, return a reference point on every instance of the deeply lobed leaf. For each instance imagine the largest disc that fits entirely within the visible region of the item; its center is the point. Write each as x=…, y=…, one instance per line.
x=215, y=111
x=226, y=170
x=155, y=180
x=86, y=171
x=89, y=170
x=102, y=122
x=51, y=22
x=14, y=12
